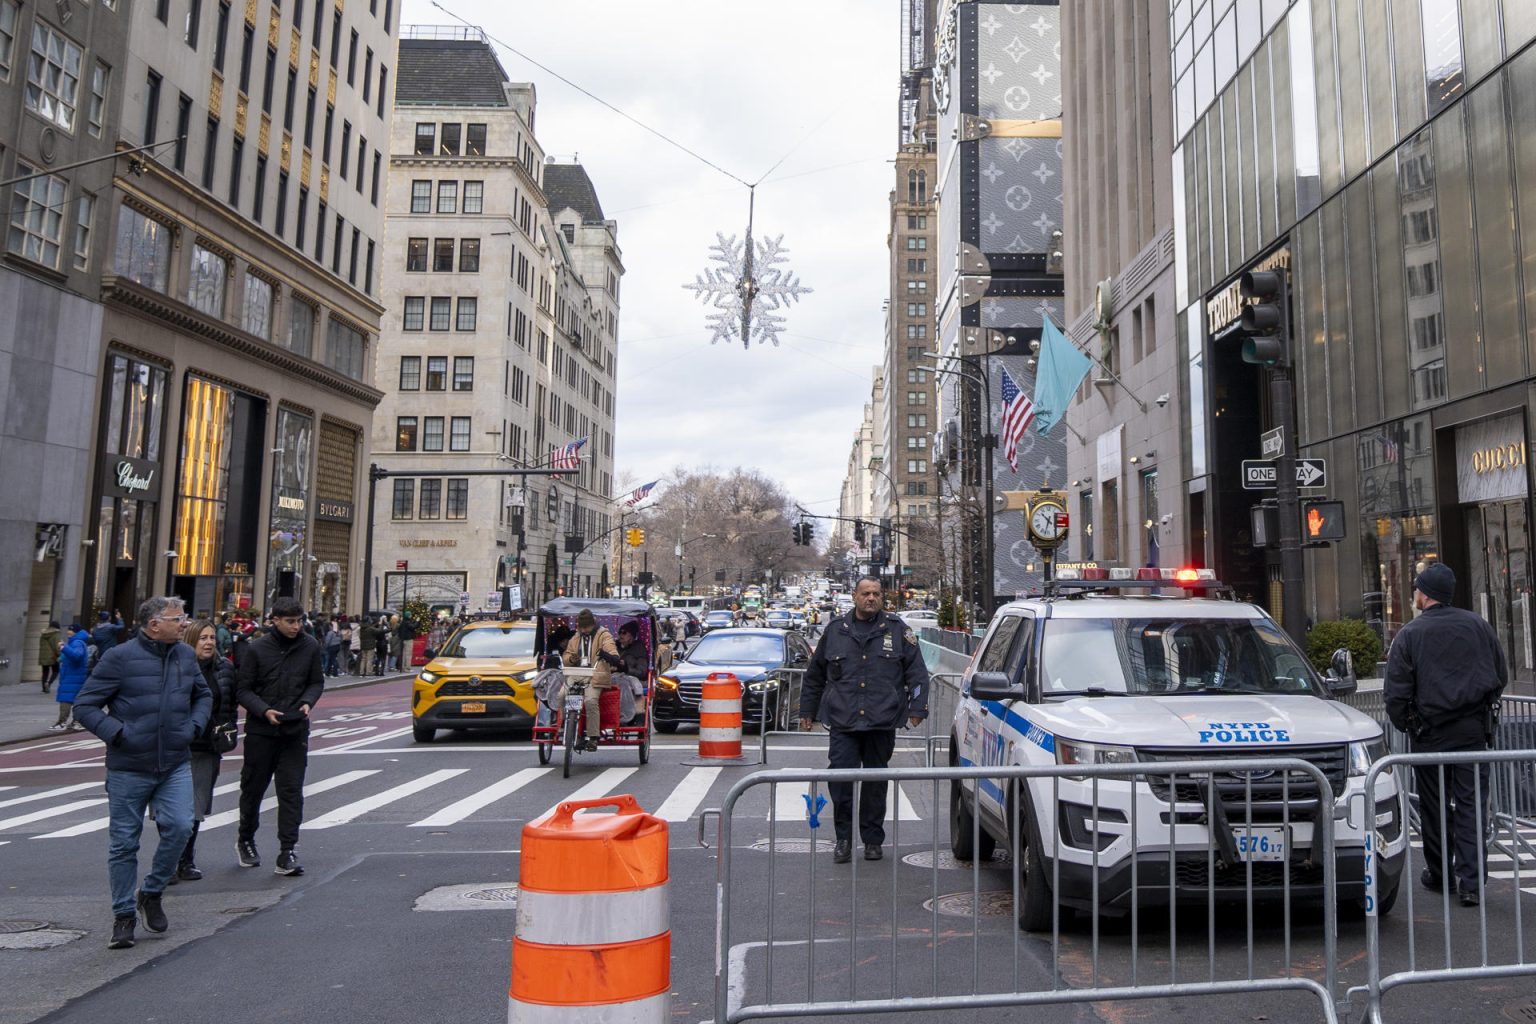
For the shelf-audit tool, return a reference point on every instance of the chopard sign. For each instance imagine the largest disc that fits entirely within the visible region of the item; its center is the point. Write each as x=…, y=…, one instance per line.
x=127, y=477
x=131, y=481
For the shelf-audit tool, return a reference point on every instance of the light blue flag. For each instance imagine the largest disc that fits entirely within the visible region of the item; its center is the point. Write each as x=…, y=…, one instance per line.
x=1062, y=369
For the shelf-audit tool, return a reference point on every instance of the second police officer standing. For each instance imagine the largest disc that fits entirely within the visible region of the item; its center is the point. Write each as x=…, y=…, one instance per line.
x=865, y=680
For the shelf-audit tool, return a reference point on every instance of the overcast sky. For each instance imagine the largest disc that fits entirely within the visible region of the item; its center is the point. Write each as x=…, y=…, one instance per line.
x=743, y=85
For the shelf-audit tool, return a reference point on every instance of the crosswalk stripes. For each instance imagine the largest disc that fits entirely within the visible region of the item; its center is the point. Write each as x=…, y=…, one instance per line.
x=50, y=812
x=47, y=794
x=789, y=803
x=356, y=809
x=461, y=809
x=232, y=815
x=685, y=799
x=99, y=824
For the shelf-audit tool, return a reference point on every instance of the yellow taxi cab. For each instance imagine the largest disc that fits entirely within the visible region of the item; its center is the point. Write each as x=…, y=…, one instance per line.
x=481, y=678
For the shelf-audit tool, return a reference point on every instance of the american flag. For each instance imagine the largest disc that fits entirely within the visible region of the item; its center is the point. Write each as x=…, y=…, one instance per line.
x=1018, y=411
x=639, y=494
x=567, y=456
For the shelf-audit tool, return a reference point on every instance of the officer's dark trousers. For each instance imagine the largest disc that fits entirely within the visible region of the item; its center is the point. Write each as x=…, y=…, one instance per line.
x=267, y=757
x=1460, y=813
x=869, y=748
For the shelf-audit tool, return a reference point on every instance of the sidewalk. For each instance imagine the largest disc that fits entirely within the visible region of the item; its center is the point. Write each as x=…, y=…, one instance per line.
x=26, y=712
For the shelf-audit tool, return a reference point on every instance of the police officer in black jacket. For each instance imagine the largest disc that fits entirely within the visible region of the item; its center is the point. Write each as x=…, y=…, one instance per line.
x=1445, y=673
x=866, y=677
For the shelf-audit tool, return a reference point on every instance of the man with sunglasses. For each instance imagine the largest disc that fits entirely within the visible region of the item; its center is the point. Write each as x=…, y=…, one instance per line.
x=145, y=700
x=277, y=682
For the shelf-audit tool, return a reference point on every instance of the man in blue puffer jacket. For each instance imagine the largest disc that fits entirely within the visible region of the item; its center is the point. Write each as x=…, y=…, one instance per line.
x=146, y=699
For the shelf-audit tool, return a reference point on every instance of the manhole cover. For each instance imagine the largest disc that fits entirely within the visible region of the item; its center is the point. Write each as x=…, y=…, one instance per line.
x=1523, y=1012
x=792, y=845
x=16, y=926
x=502, y=894
x=947, y=860
x=993, y=903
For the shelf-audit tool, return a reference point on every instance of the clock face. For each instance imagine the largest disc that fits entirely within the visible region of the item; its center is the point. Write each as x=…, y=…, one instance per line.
x=1042, y=521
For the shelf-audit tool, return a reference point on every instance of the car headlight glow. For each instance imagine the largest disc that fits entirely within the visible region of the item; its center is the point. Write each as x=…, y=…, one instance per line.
x=666, y=683
x=428, y=677
x=1363, y=755
x=760, y=684
x=1074, y=752
x=526, y=676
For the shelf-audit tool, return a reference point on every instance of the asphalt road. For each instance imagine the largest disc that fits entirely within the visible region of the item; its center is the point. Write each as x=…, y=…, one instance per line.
x=406, y=909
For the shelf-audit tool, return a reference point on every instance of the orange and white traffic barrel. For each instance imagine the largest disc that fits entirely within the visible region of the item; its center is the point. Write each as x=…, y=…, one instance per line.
x=720, y=716
x=593, y=940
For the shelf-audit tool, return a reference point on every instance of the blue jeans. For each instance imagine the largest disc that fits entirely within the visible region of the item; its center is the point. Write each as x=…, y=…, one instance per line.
x=128, y=794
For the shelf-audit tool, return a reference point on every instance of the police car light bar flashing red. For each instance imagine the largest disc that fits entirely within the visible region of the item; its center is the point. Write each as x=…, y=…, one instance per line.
x=1185, y=578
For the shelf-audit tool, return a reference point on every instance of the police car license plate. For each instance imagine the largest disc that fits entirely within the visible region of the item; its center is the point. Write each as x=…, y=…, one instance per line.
x=472, y=707
x=1262, y=844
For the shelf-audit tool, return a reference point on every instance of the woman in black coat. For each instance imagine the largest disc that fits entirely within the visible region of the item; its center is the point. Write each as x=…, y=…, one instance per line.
x=202, y=636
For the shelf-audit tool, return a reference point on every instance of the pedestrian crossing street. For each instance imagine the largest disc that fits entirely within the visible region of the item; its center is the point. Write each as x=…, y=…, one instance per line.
x=445, y=797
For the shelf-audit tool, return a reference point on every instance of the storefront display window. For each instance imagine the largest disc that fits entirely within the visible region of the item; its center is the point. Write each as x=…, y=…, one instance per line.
x=288, y=539
x=1397, y=518
x=128, y=484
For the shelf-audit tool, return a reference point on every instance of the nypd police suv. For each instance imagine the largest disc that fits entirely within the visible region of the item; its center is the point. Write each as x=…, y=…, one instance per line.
x=1109, y=670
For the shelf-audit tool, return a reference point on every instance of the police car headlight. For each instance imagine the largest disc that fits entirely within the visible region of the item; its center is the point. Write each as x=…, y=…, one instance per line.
x=760, y=684
x=1363, y=755
x=1073, y=752
x=428, y=677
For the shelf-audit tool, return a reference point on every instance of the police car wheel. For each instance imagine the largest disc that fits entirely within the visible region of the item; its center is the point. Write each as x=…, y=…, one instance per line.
x=965, y=838
x=1037, y=912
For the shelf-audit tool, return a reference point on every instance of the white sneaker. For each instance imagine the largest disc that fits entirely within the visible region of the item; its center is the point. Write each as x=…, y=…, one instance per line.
x=58, y=727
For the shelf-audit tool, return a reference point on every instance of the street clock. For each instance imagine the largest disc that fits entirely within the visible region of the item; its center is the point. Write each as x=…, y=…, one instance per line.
x=1047, y=520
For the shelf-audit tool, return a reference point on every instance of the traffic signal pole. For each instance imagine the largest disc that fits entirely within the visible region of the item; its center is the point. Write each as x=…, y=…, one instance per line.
x=1293, y=604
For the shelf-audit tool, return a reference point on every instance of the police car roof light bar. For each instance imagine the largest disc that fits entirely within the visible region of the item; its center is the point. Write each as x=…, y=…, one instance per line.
x=1075, y=582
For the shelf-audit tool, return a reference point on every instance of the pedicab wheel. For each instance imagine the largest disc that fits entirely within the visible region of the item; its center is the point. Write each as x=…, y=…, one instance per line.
x=572, y=727
x=645, y=747
x=546, y=752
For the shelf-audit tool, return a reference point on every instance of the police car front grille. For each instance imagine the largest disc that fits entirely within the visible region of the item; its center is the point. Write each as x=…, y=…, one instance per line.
x=1235, y=790
x=487, y=688
x=1193, y=874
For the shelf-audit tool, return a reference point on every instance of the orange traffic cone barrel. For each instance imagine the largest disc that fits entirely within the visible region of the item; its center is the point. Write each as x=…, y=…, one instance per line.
x=593, y=940
x=720, y=716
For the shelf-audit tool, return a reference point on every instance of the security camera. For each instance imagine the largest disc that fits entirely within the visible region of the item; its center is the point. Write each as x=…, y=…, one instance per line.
x=1162, y=400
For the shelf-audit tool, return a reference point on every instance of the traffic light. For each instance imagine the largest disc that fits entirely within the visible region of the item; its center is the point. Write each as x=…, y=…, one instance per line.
x=1266, y=321
x=858, y=531
x=1323, y=520
x=634, y=537
x=809, y=533
x=794, y=533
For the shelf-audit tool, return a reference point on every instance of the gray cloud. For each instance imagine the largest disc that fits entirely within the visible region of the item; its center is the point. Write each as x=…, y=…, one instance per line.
x=741, y=84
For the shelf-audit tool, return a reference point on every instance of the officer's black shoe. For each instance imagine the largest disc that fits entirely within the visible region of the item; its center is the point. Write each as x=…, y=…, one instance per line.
x=122, y=932
x=842, y=853
x=1468, y=897
x=872, y=851
x=1431, y=881
x=151, y=913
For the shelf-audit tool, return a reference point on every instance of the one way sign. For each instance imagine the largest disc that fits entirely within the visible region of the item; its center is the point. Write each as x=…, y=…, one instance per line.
x=1259, y=474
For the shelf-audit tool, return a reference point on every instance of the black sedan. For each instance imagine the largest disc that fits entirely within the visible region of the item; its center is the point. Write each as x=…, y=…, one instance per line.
x=768, y=662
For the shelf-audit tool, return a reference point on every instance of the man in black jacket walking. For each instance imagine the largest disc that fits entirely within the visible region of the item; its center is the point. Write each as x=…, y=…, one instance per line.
x=1444, y=672
x=866, y=678
x=278, y=682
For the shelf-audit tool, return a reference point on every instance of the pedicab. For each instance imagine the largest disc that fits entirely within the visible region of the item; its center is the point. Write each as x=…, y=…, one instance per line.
x=563, y=720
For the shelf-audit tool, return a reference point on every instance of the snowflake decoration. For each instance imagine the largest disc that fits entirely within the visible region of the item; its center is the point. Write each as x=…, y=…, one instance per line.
x=746, y=288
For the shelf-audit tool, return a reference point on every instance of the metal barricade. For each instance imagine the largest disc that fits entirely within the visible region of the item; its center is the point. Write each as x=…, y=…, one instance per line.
x=1492, y=942
x=839, y=938
x=943, y=697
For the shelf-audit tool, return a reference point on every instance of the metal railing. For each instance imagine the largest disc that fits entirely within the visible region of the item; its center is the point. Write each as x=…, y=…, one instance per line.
x=1115, y=861
x=943, y=697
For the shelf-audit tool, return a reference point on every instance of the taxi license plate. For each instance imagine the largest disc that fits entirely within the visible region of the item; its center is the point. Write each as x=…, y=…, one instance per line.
x=472, y=707
x=1261, y=844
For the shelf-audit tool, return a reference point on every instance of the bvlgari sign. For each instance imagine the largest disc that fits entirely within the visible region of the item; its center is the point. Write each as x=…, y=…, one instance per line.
x=125, y=477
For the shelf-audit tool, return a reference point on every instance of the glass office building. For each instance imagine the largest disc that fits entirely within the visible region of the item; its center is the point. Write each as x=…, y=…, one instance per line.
x=1383, y=152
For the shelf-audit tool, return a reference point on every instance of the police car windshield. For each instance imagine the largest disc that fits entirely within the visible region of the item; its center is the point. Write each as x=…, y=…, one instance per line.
x=737, y=649
x=1164, y=657
x=505, y=642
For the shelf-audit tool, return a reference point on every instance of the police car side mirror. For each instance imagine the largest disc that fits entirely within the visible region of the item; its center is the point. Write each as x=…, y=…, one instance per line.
x=1341, y=674
x=995, y=686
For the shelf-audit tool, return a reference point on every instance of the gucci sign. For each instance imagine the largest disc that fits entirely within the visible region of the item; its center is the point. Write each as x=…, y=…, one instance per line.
x=1504, y=456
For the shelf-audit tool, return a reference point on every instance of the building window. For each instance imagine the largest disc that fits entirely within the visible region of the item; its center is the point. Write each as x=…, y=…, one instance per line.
x=96, y=107
x=221, y=36
x=917, y=419
x=183, y=130
x=917, y=398
x=426, y=138
x=259, y=202
x=236, y=158
x=415, y=310
x=257, y=318
x=143, y=251
x=432, y=434
x=467, y=315
x=421, y=197
x=405, y=499
x=405, y=433
x=458, y=499
x=269, y=81
x=362, y=161
x=53, y=76
x=345, y=349
x=410, y=373
x=474, y=140
x=431, y=506
x=205, y=290
x=918, y=266
x=346, y=148
x=442, y=255
x=351, y=58
x=85, y=216
x=469, y=256
x=917, y=332
x=368, y=75
x=917, y=465
x=447, y=197
x=303, y=220
x=448, y=140
x=151, y=107
x=280, y=222
x=474, y=197
x=378, y=169
x=37, y=217
x=383, y=88
x=458, y=434
x=415, y=255
x=247, y=41
x=210, y=152
x=290, y=99
x=917, y=222
x=463, y=373
x=442, y=313
x=1085, y=525
x=8, y=15
x=301, y=328
x=437, y=373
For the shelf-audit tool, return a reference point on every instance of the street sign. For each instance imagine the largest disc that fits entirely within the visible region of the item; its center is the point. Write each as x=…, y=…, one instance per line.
x=1272, y=443
x=1259, y=474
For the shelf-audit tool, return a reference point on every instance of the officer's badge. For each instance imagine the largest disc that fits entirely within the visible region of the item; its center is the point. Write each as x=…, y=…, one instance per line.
x=910, y=638
x=887, y=648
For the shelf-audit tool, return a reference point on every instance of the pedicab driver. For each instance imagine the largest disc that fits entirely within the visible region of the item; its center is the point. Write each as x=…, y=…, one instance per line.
x=593, y=647
x=866, y=678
